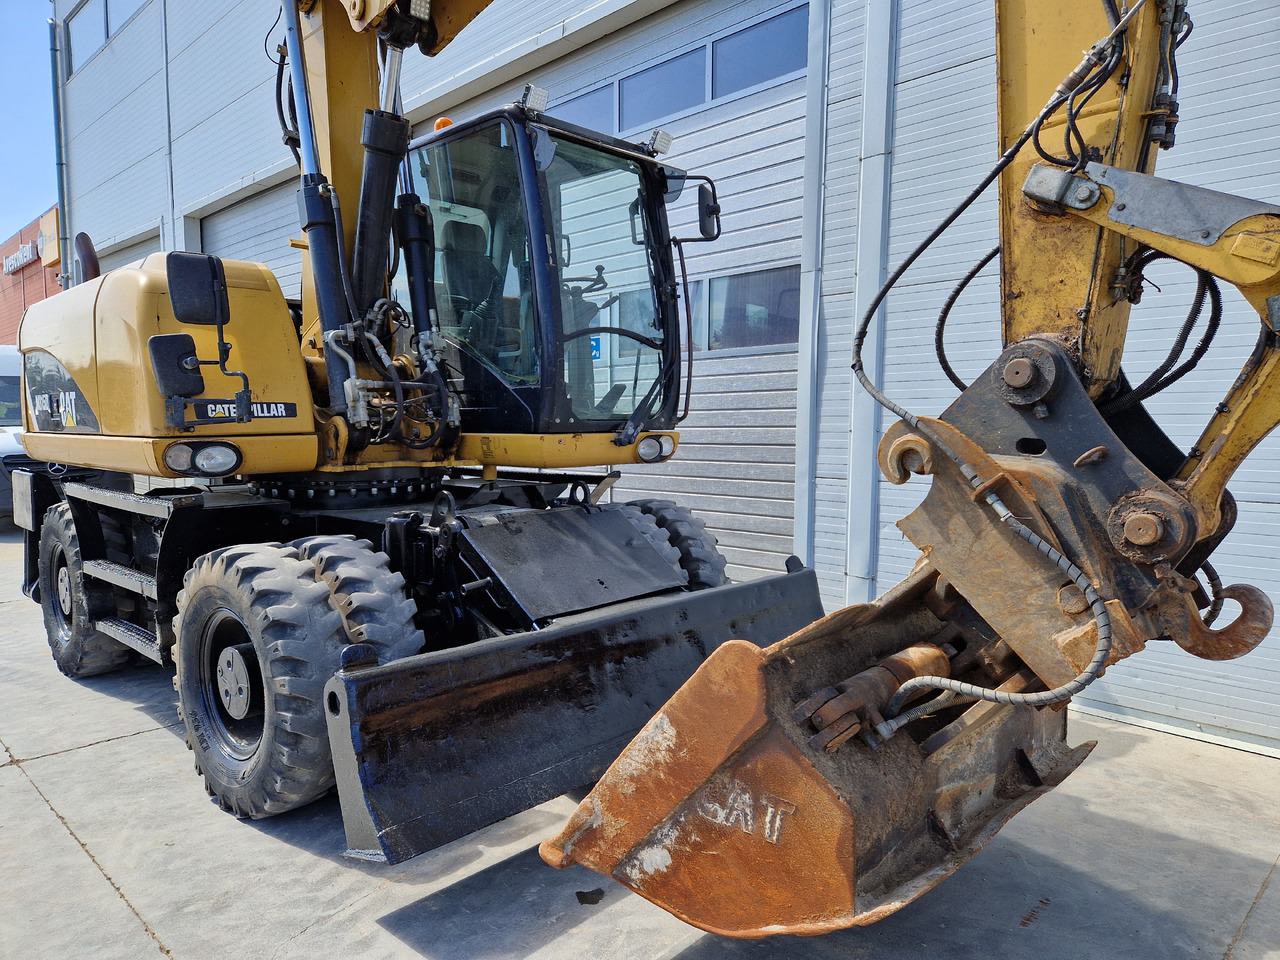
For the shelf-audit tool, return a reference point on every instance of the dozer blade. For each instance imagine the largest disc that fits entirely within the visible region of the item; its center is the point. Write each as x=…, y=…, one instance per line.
x=724, y=812
x=430, y=748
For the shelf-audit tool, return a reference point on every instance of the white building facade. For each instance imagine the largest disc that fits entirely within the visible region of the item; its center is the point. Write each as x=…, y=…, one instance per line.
x=839, y=133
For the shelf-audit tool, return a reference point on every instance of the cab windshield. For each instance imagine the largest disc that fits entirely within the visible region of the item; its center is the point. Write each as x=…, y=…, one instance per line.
x=612, y=331
x=484, y=290
x=606, y=349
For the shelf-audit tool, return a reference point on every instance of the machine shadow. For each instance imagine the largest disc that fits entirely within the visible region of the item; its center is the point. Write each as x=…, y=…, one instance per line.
x=1117, y=893
x=1016, y=899
x=147, y=686
x=317, y=830
x=509, y=909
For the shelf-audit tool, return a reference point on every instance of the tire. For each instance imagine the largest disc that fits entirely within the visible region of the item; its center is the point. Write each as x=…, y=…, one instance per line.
x=364, y=591
x=699, y=555
x=657, y=536
x=260, y=740
x=70, y=603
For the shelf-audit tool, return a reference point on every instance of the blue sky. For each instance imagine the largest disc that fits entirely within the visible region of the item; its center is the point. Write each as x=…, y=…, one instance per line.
x=28, y=179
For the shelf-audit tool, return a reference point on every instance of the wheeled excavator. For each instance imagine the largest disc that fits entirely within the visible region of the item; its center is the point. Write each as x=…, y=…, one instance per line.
x=828, y=780
x=386, y=555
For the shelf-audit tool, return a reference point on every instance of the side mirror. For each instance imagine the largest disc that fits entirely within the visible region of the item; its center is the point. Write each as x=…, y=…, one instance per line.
x=708, y=212
x=197, y=288
x=175, y=365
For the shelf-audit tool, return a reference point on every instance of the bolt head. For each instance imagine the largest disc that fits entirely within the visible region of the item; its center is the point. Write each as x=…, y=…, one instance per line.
x=1083, y=194
x=1072, y=600
x=1143, y=529
x=1019, y=372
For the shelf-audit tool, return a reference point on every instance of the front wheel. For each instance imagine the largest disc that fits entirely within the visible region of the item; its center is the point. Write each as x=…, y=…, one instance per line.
x=256, y=641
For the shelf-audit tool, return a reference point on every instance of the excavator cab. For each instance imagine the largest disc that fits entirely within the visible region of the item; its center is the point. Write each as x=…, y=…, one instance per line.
x=553, y=275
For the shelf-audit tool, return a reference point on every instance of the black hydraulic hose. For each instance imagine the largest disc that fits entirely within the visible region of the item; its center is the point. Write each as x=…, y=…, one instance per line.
x=293, y=107
x=371, y=348
x=1148, y=386
x=343, y=269
x=863, y=328
x=1157, y=381
x=1085, y=93
x=939, y=346
x=1215, y=591
x=1211, y=330
x=435, y=436
x=288, y=133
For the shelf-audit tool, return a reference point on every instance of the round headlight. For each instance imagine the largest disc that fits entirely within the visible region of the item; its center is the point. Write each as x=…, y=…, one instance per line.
x=216, y=459
x=649, y=449
x=668, y=446
x=178, y=458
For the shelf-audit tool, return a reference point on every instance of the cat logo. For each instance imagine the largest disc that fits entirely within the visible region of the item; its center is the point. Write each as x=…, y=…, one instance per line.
x=67, y=406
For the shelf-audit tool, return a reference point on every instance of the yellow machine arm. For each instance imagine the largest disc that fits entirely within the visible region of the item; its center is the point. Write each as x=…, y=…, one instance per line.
x=346, y=78
x=1062, y=531
x=1234, y=239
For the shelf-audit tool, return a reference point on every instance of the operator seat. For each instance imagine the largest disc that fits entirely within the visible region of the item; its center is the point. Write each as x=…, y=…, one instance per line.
x=474, y=286
x=469, y=274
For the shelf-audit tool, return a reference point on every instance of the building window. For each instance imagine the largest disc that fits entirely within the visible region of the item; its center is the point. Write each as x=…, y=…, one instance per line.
x=669, y=87
x=91, y=25
x=119, y=11
x=592, y=110
x=754, y=309
x=86, y=32
x=770, y=49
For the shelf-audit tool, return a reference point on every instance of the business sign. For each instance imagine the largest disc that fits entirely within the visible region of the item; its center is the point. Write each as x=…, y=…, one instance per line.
x=50, y=254
x=27, y=252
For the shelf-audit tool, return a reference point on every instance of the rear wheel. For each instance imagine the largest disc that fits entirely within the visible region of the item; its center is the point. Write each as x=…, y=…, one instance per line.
x=70, y=603
x=365, y=592
x=648, y=525
x=256, y=641
x=699, y=555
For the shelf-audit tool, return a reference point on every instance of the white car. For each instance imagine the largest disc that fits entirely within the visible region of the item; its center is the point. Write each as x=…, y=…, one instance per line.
x=10, y=421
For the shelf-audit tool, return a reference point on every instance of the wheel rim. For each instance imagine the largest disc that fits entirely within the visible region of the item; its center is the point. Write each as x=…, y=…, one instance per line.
x=231, y=687
x=64, y=609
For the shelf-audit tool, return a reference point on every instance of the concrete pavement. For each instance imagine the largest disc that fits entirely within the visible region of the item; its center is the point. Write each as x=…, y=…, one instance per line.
x=1157, y=847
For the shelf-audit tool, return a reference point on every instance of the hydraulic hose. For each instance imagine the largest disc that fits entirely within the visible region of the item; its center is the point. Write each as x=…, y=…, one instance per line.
x=939, y=346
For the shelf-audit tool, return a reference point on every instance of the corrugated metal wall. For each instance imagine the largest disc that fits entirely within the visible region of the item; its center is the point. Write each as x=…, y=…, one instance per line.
x=116, y=136
x=129, y=253
x=258, y=229
x=943, y=142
